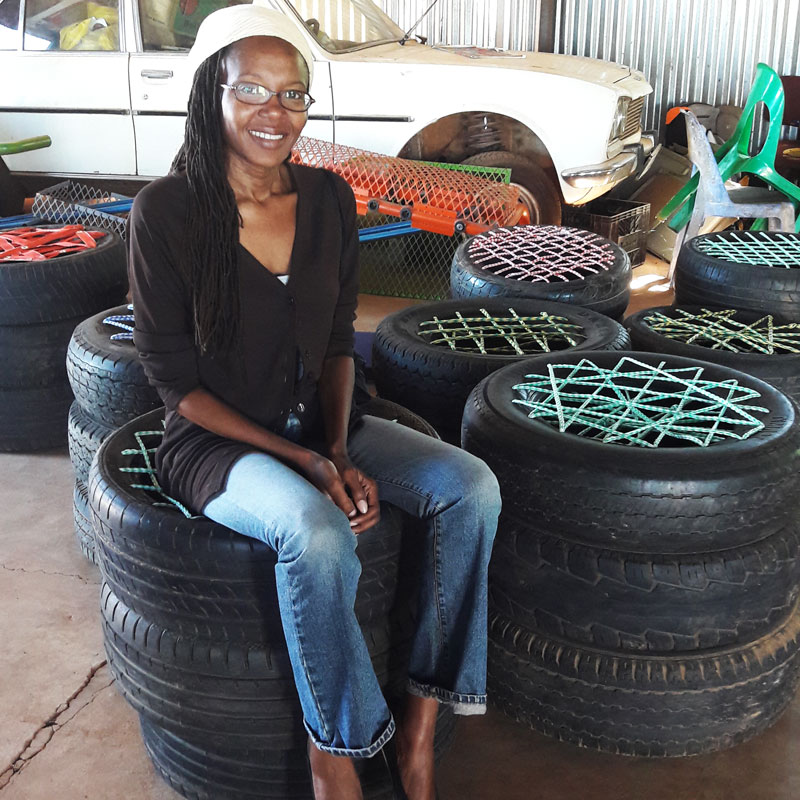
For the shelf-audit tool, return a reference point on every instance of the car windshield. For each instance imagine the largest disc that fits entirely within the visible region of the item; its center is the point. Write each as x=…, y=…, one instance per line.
x=342, y=25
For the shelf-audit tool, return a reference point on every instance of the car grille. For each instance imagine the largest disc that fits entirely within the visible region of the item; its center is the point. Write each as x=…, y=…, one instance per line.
x=633, y=117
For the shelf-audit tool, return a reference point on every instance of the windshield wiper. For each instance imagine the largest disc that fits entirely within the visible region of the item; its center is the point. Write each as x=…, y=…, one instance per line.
x=407, y=34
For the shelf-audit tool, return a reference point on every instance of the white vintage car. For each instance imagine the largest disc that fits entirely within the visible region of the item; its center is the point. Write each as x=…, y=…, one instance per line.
x=109, y=84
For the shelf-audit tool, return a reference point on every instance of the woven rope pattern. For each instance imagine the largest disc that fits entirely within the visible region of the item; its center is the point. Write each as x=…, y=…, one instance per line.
x=760, y=248
x=124, y=321
x=413, y=183
x=718, y=330
x=148, y=470
x=511, y=335
x=640, y=405
x=541, y=253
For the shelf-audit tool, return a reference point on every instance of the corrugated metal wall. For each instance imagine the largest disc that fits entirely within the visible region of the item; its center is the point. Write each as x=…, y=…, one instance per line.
x=690, y=50
x=508, y=24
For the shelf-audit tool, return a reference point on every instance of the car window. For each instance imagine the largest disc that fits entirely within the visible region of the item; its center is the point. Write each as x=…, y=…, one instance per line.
x=172, y=24
x=9, y=24
x=71, y=25
x=341, y=25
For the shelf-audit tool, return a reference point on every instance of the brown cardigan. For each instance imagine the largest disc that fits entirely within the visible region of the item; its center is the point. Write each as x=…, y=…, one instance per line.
x=287, y=330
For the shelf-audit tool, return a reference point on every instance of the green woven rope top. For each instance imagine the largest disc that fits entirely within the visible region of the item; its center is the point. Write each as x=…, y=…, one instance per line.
x=640, y=405
x=718, y=330
x=760, y=248
x=501, y=336
x=152, y=486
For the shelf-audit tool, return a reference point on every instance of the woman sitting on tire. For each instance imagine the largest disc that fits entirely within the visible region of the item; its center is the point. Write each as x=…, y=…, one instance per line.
x=243, y=270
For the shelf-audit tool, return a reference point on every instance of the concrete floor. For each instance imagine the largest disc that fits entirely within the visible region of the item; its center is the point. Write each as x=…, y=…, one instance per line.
x=66, y=733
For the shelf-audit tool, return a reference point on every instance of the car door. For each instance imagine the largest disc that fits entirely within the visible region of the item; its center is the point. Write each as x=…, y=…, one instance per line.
x=66, y=75
x=160, y=79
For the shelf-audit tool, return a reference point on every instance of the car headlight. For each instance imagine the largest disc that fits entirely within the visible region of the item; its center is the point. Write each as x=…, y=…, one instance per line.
x=620, y=115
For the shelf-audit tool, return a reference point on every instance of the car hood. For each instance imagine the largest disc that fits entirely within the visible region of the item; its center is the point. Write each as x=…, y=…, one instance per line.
x=590, y=70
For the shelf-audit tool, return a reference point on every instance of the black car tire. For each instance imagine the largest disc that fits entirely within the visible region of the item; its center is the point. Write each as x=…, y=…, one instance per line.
x=607, y=292
x=648, y=500
x=703, y=280
x=106, y=376
x=65, y=287
x=781, y=370
x=643, y=705
x=643, y=602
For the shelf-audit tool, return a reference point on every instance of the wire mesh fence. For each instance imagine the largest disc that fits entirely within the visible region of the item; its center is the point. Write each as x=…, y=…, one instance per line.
x=415, y=264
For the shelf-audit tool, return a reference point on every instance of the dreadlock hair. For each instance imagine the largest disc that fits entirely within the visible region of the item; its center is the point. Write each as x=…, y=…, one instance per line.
x=213, y=220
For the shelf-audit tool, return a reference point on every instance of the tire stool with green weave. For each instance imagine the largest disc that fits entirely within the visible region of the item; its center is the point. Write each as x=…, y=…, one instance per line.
x=193, y=633
x=645, y=578
x=429, y=357
x=750, y=270
x=759, y=344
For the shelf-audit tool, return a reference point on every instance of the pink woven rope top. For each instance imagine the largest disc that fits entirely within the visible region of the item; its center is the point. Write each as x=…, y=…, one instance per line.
x=541, y=253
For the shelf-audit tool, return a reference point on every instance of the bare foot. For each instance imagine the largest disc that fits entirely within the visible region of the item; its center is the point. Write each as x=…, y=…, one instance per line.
x=334, y=777
x=415, y=747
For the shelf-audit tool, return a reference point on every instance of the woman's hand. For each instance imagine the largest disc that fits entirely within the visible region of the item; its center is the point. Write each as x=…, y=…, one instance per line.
x=362, y=491
x=352, y=491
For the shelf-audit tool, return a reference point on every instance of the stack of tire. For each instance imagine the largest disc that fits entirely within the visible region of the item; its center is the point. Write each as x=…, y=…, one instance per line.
x=544, y=262
x=110, y=389
x=643, y=601
x=41, y=302
x=433, y=374
x=194, y=638
x=746, y=276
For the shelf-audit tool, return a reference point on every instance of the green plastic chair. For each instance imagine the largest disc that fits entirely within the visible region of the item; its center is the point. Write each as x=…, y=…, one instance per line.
x=23, y=145
x=733, y=157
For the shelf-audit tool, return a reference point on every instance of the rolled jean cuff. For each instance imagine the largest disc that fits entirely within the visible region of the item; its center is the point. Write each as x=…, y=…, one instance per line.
x=358, y=752
x=463, y=704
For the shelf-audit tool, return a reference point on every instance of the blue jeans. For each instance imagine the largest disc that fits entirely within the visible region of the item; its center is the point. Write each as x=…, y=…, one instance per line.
x=457, y=497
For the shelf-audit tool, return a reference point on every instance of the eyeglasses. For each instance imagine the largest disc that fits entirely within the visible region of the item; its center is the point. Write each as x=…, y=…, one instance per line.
x=257, y=95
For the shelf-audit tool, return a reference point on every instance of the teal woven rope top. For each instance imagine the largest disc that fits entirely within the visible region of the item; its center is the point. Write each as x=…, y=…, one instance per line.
x=640, y=405
x=719, y=330
x=759, y=248
x=510, y=335
x=148, y=472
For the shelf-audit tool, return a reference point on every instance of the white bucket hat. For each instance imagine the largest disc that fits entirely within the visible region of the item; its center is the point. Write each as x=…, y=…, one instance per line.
x=229, y=25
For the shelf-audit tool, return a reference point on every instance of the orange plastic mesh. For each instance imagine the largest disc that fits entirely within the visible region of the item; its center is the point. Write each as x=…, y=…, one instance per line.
x=432, y=198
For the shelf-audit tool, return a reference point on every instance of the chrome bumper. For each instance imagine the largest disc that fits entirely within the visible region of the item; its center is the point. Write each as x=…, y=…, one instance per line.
x=612, y=170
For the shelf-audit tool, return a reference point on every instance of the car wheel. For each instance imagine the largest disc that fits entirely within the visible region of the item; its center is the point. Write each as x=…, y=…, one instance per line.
x=538, y=194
